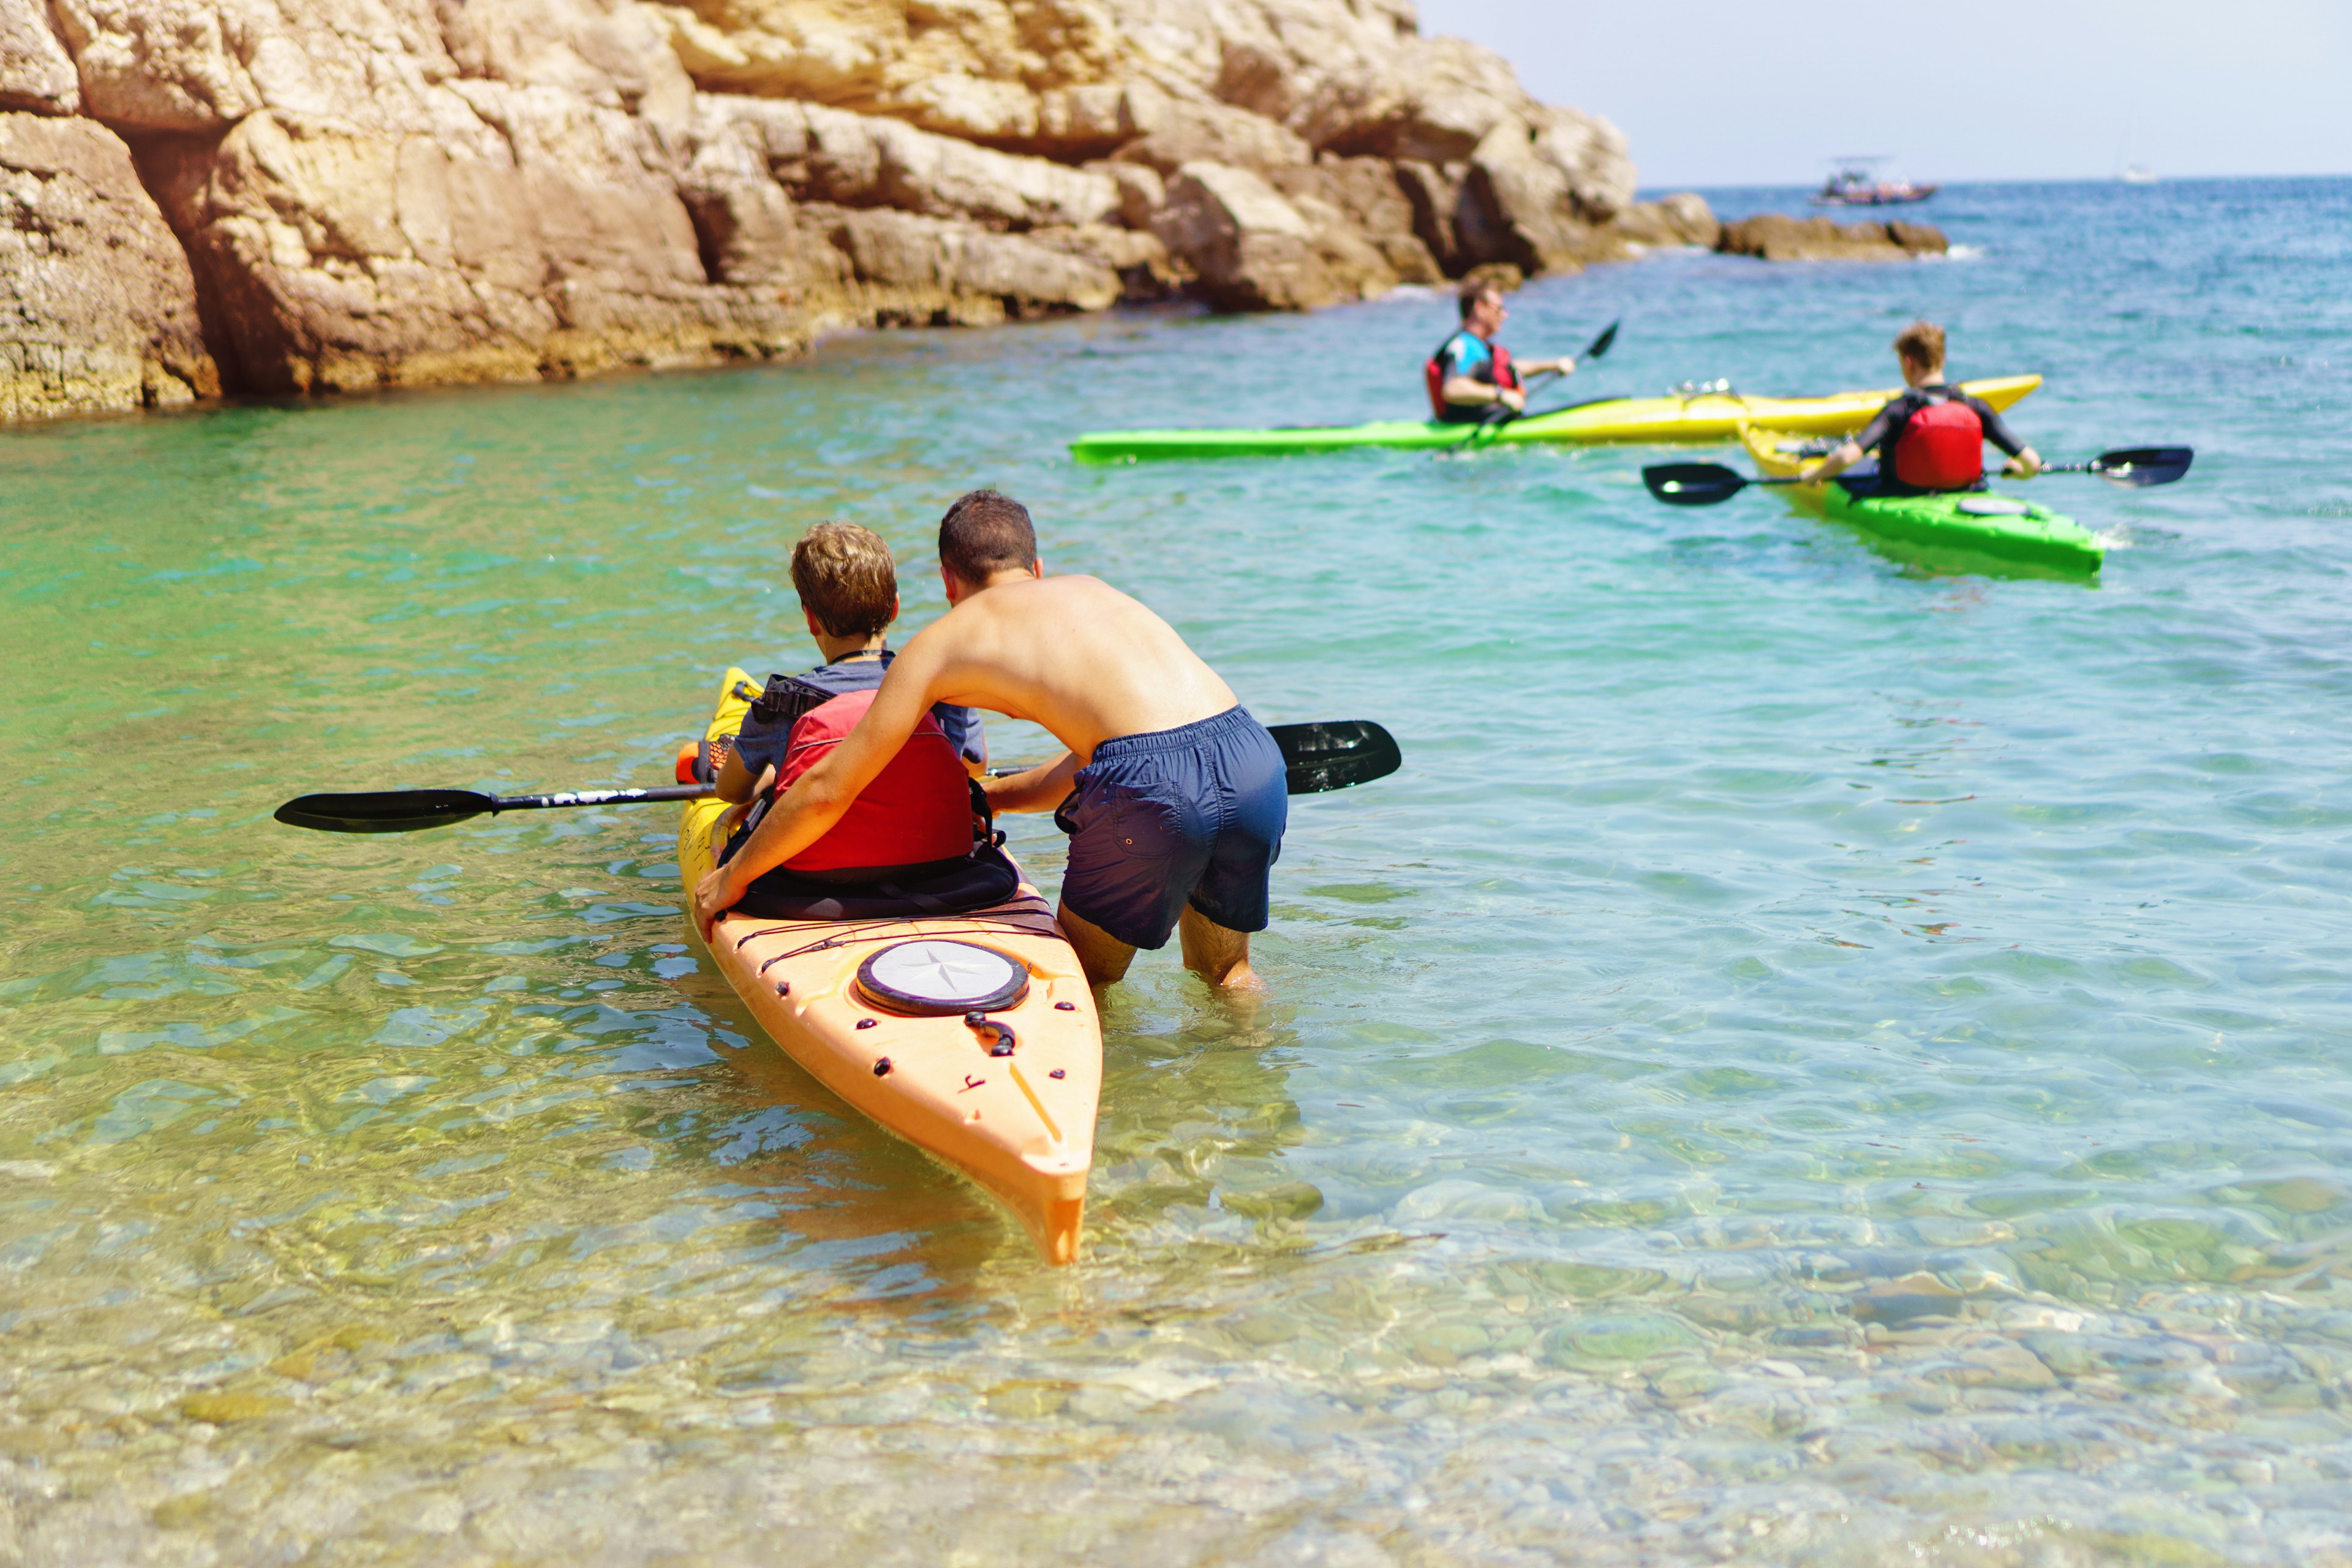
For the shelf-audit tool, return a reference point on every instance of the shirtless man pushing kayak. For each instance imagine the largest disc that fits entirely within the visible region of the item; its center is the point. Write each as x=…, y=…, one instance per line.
x=1174, y=797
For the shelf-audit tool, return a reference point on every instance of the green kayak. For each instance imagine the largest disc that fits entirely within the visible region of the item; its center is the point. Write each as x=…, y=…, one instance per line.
x=1975, y=523
x=1700, y=418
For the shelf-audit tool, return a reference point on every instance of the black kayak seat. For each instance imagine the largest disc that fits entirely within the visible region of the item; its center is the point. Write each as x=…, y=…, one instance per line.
x=984, y=877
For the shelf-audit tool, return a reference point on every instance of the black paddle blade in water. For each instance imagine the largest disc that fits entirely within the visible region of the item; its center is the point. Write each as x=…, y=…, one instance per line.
x=1692, y=484
x=2140, y=466
x=384, y=811
x=412, y=810
x=1336, y=753
x=1599, y=345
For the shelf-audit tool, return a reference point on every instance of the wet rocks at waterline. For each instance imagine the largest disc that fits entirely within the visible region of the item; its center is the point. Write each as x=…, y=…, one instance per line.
x=1775, y=236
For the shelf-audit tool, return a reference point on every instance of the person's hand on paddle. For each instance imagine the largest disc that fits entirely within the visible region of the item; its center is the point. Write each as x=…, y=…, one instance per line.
x=1512, y=398
x=713, y=896
x=2024, y=466
x=1847, y=455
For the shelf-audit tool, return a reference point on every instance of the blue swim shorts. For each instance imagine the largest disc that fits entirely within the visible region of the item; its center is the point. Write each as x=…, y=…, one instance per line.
x=1193, y=814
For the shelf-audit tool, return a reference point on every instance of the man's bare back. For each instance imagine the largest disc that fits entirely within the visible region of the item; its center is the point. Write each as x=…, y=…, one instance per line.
x=1072, y=654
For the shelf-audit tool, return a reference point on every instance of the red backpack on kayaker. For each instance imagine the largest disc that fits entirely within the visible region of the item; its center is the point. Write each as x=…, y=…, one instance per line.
x=1942, y=445
x=917, y=809
x=1433, y=372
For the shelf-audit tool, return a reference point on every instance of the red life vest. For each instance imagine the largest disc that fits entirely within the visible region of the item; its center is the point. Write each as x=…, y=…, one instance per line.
x=1941, y=447
x=1505, y=376
x=918, y=808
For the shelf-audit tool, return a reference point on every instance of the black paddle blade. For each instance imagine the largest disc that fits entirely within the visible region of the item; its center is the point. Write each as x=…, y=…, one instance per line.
x=2140, y=466
x=1336, y=753
x=1599, y=345
x=385, y=811
x=1692, y=484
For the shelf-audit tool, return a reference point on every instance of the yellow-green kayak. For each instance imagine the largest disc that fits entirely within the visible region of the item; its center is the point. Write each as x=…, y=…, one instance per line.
x=1701, y=418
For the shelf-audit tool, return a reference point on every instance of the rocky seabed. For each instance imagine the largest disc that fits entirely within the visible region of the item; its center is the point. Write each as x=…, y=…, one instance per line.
x=299, y=196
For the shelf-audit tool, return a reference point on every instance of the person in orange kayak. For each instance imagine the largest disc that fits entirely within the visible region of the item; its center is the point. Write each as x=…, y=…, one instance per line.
x=915, y=818
x=1471, y=376
x=1932, y=438
x=1174, y=796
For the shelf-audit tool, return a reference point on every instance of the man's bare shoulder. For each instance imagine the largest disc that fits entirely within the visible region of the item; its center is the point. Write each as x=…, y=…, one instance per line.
x=1041, y=601
x=1099, y=597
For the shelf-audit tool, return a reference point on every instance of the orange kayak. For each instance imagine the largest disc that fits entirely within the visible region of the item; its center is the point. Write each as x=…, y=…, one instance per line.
x=972, y=1036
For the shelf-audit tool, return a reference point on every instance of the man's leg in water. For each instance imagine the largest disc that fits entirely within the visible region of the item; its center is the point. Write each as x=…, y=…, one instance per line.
x=1103, y=956
x=1217, y=955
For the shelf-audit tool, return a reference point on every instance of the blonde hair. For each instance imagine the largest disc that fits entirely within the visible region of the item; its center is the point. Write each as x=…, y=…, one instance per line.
x=846, y=578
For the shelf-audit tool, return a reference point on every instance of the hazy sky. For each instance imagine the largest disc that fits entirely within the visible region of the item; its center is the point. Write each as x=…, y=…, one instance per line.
x=1737, y=92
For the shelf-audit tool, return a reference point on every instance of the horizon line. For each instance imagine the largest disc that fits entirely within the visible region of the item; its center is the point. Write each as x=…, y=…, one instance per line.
x=1646, y=189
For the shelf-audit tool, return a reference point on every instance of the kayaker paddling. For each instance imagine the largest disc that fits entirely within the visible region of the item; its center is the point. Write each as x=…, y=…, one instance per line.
x=1174, y=796
x=1471, y=374
x=1930, y=438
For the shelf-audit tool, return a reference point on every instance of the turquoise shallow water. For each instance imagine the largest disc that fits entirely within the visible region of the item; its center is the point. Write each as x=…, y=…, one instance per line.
x=1817, y=1060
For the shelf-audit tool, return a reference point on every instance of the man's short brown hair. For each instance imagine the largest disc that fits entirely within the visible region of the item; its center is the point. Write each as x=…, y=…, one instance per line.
x=846, y=579
x=986, y=533
x=1474, y=290
x=1921, y=343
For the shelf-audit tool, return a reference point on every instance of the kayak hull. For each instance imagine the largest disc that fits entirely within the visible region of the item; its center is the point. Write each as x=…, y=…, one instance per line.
x=1021, y=1126
x=1707, y=417
x=2032, y=535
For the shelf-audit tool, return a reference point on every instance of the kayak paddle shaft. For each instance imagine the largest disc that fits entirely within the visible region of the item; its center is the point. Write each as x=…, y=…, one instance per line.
x=412, y=810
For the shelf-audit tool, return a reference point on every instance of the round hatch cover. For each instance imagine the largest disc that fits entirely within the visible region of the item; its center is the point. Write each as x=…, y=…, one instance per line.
x=941, y=978
x=1993, y=506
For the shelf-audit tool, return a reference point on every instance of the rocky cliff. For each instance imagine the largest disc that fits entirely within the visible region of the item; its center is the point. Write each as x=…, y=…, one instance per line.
x=311, y=195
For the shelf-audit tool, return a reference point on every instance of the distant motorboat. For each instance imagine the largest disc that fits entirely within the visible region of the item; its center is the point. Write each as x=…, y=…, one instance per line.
x=2138, y=175
x=1852, y=184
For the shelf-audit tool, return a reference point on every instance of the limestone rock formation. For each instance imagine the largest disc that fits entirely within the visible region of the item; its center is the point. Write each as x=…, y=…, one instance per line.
x=99, y=305
x=922, y=271
x=1774, y=236
x=36, y=72
x=1251, y=250
x=1679, y=220
x=322, y=194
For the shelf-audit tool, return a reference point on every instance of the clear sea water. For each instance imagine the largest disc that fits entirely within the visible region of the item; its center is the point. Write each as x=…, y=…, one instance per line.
x=1819, y=1059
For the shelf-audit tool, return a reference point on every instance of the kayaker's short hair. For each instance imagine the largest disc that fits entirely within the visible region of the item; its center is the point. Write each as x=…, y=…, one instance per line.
x=846, y=579
x=1473, y=292
x=986, y=533
x=1921, y=343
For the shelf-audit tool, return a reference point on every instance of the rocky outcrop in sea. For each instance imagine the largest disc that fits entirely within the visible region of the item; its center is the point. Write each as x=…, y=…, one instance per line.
x=292, y=196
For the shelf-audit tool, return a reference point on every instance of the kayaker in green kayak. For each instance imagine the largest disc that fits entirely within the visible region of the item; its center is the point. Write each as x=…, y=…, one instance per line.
x=1471, y=374
x=1931, y=438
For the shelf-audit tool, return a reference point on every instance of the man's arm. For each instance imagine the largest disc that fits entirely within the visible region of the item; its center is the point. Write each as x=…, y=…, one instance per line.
x=1469, y=391
x=1847, y=456
x=2024, y=462
x=819, y=797
x=1831, y=466
x=735, y=781
x=1041, y=788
